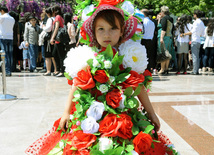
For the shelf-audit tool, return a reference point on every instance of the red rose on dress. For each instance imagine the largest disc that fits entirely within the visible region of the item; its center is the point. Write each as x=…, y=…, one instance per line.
x=113, y=98
x=110, y=2
x=84, y=80
x=83, y=33
x=142, y=142
x=109, y=126
x=125, y=131
x=100, y=76
x=133, y=80
x=81, y=140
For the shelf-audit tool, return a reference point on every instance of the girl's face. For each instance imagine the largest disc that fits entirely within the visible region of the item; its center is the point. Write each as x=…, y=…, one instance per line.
x=33, y=22
x=106, y=34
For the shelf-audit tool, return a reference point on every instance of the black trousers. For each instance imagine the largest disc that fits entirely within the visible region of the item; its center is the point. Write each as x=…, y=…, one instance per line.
x=151, y=53
x=59, y=54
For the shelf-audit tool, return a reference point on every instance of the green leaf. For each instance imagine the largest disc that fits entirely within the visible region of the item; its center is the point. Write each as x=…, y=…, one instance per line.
x=73, y=148
x=67, y=76
x=132, y=103
x=116, y=62
x=96, y=152
x=122, y=77
x=128, y=91
x=137, y=91
x=101, y=98
x=56, y=151
x=135, y=130
x=118, y=150
x=143, y=123
x=108, y=53
x=90, y=63
x=148, y=129
x=129, y=148
x=109, y=109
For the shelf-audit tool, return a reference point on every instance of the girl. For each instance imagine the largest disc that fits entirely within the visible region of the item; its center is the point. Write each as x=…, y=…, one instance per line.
x=182, y=42
x=106, y=28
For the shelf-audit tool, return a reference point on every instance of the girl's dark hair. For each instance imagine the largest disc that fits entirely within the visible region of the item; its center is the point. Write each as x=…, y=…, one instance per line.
x=14, y=15
x=67, y=17
x=210, y=27
x=57, y=10
x=182, y=22
x=189, y=18
x=204, y=20
x=4, y=8
x=49, y=11
x=109, y=16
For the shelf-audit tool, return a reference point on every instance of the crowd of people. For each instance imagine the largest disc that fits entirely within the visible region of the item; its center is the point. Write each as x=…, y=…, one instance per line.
x=29, y=42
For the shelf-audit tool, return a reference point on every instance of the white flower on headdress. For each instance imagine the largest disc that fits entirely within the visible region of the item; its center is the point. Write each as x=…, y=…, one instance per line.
x=87, y=10
x=96, y=110
x=89, y=125
x=128, y=7
x=105, y=144
x=122, y=106
x=77, y=59
x=107, y=64
x=134, y=56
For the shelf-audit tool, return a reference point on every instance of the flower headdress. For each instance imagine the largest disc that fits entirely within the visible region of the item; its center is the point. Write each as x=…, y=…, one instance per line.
x=89, y=13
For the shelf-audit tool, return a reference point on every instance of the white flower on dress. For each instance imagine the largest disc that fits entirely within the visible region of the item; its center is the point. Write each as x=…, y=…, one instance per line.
x=105, y=144
x=61, y=145
x=77, y=59
x=71, y=117
x=96, y=110
x=134, y=152
x=134, y=56
x=103, y=88
x=107, y=64
x=89, y=125
x=96, y=63
x=122, y=106
x=111, y=79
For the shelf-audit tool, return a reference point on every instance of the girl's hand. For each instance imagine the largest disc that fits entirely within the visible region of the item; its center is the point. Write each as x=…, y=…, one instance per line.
x=161, y=41
x=26, y=44
x=64, y=121
x=155, y=121
x=51, y=41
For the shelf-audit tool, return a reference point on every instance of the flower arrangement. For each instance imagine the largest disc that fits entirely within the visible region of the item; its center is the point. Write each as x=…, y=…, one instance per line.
x=107, y=119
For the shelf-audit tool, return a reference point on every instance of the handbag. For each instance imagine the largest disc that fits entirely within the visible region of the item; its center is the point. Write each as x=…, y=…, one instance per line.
x=163, y=55
x=62, y=35
x=47, y=36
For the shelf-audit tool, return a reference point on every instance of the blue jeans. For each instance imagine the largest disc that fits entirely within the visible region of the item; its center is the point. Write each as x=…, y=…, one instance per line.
x=33, y=52
x=208, y=57
x=7, y=46
x=43, y=55
x=195, y=49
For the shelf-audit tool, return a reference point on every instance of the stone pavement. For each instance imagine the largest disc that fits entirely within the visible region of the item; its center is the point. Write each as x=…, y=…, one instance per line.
x=184, y=104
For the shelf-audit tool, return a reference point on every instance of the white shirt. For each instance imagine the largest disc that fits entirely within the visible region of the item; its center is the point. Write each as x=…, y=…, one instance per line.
x=149, y=28
x=6, y=26
x=209, y=41
x=49, y=25
x=184, y=39
x=197, y=30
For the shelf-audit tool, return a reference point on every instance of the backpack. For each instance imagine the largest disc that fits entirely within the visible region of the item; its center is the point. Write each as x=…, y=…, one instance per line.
x=62, y=35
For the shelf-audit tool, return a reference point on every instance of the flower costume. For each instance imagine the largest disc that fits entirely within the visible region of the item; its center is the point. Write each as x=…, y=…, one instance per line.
x=106, y=118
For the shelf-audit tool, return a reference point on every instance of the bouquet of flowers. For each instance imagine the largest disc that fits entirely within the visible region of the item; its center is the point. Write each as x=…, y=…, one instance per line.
x=107, y=120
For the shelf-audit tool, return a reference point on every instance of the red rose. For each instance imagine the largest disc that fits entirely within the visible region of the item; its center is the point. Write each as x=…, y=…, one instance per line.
x=133, y=80
x=125, y=131
x=70, y=82
x=110, y=2
x=109, y=126
x=81, y=140
x=113, y=98
x=84, y=80
x=142, y=142
x=147, y=73
x=96, y=93
x=83, y=33
x=100, y=76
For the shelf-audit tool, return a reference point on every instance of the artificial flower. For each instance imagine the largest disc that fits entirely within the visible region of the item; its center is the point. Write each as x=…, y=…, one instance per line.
x=77, y=59
x=103, y=88
x=96, y=110
x=125, y=130
x=110, y=2
x=134, y=56
x=121, y=103
x=100, y=76
x=142, y=142
x=133, y=80
x=83, y=33
x=134, y=152
x=107, y=64
x=71, y=117
x=89, y=125
x=111, y=79
x=147, y=73
x=96, y=63
x=113, y=98
x=84, y=80
x=81, y=140
x=105, y=144
x=109, y=126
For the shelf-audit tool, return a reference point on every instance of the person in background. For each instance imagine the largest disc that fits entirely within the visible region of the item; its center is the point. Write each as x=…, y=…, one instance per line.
x=31, y=36
x=149, y=29
x=208, y=60
x=68, y=18
x=6, y=38
x=196, y=31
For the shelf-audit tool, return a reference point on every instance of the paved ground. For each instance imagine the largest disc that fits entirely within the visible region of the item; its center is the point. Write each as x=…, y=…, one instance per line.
x=184, y=104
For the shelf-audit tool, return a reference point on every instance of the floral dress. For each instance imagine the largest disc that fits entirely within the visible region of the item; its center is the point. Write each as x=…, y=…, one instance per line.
x=106, y=118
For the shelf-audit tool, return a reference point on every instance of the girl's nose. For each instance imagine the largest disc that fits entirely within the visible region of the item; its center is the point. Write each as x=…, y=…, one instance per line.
x=107, y=33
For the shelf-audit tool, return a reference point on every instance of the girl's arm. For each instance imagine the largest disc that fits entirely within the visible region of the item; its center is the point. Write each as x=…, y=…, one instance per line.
x=66, y=115
x=55, y=32
x=144, y=99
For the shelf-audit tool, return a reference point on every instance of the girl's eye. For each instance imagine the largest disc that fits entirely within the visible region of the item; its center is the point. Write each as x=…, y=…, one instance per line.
x=114, y=28
x=100, y=28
